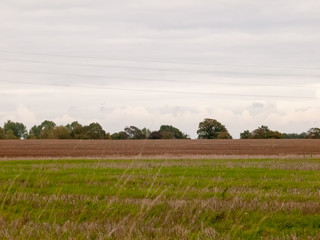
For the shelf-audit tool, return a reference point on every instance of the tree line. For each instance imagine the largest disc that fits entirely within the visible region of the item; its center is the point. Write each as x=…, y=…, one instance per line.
x=264, y=132
x=207, y=129
x=49, y=130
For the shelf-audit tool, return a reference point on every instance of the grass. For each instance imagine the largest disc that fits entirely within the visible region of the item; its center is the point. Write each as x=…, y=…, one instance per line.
x=160, y=199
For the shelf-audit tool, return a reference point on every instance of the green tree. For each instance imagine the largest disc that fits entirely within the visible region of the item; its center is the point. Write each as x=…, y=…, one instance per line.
x=313, y=133
x=155, y=135
x=168, y=131
x=134, y=133
x=47, y=124
x=224, y=135
x=245, y=134
x=108, y=136
x=10, y=135
x=295, y=135
x=61, y=132
x=2, y=135
x=146, y=132
x=16, y=129
x=212, y=129
x=261, y=132
x=275, y=135
x=120, y=136
x=93, y=131
x=167, y=135
x=34, y=132
x=264, y=132
x=76, y=130
x=46, y=129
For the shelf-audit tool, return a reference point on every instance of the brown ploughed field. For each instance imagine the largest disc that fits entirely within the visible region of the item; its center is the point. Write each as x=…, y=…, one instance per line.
x=158, y=148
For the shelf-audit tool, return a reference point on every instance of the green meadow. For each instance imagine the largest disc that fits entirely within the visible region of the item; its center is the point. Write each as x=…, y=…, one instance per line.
x=160, y=199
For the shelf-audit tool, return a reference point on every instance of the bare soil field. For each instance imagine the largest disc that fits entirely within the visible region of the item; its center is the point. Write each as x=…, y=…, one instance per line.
x=158, y=148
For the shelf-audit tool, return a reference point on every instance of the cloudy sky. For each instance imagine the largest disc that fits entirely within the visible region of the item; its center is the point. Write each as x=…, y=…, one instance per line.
x=153, y=62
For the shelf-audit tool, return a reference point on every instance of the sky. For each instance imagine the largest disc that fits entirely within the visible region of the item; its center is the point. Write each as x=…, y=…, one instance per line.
x=153, y=62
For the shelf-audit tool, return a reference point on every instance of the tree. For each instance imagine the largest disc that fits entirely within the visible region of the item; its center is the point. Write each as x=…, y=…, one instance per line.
x=212, y=129
x=167, y=135
x=10, y=135
x=313, y=133
x=245, y=134
x=2, y=135
x=108, y=136
x=61, y=132
x=44, y=130
x=134, y=133
x=155, y=135
x=47, y=124
x=15, y=129
x=262, y=132
x=224, y=135
x=93, y=131
x=275, y=135
x=168, y=131
x=34, y=132
x=120, y=136
x=295, y=135
x=146, y=132
x=76, y=130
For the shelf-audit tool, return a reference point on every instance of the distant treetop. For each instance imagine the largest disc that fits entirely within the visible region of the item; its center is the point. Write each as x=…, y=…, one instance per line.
x=208, y=129
x=212, y=129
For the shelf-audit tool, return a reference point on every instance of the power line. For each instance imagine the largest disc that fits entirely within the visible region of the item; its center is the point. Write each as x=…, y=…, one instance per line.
x=108, y=77
x=169, y=91
x=166, y=69
x=159, y=61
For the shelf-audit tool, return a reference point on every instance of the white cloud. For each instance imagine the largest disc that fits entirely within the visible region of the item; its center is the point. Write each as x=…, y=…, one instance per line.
x=20, y=114
x=64, y=120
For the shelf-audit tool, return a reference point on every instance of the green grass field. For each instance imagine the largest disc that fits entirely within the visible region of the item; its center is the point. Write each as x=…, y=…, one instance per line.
x=160, y=199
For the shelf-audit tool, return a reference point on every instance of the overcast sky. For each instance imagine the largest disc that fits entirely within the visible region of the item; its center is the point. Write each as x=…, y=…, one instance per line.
x=153, y=62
